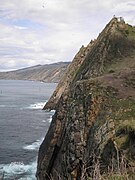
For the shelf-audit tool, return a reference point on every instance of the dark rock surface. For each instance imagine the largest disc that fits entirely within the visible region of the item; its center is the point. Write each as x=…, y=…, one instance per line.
x=94, y=123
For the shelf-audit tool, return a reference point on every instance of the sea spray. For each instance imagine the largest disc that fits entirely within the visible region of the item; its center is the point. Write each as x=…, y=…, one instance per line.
x=18, y=170
x=34, y=146
x=37, y=105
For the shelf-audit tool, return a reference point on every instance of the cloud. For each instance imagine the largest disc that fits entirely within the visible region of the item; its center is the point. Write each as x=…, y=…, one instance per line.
x=46, y=31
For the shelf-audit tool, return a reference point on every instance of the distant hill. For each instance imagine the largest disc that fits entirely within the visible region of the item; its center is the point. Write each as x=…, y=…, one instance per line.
x=46, y=73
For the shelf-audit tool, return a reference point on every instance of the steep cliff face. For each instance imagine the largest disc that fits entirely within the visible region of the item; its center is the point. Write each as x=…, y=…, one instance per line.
x=68, y=77
x=94, y=124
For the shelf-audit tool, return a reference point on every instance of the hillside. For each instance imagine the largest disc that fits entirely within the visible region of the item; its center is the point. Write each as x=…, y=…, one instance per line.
x=92, y=134
x=45, y=73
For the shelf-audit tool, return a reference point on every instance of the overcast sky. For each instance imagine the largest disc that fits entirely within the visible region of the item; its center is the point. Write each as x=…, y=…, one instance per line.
x=47, y=31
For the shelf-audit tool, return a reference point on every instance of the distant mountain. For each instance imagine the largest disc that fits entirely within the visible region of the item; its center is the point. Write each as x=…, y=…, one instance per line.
x=46, y=73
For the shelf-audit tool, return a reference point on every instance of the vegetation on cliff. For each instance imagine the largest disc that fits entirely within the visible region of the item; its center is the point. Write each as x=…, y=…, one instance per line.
x=92, y=134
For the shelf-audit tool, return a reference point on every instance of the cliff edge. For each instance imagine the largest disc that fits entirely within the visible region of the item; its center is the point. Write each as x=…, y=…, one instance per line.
x=93, y=129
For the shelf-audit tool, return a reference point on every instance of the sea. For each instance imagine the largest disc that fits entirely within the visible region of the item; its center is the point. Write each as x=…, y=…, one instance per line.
x=23, y=125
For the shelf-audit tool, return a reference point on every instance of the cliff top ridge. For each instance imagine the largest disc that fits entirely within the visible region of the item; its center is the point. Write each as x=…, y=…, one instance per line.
x=117, y=40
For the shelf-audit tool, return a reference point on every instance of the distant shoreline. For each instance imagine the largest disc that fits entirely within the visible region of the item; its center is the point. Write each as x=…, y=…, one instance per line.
x=50, y=73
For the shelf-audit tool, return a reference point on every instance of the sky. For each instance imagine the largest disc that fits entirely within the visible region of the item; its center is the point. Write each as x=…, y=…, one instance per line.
x=47, y=31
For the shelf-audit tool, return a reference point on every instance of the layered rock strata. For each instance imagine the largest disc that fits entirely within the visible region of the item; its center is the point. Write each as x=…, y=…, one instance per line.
x=94, y=122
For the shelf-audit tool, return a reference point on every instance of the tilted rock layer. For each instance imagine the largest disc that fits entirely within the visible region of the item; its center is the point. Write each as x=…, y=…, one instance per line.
x=95, y=109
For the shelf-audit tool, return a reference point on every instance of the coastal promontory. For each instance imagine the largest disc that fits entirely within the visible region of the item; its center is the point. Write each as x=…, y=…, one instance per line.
x=92, y=133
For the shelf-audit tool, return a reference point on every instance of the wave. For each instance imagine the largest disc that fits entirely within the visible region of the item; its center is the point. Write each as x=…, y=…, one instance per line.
x=34, y=146
x=53, y=111
x=38, y=105
x=50, y=119
x=18, y=170
x=2, y=106
x=8, y=106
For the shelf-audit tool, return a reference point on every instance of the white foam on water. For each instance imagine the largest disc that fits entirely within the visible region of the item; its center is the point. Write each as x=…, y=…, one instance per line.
x=18, y=170
x=38, y=105
x=50, y=119
x=53, y=111
x=34, y=146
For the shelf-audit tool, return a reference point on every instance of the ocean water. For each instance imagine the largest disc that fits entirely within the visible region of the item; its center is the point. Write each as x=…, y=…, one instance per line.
x=23, y=125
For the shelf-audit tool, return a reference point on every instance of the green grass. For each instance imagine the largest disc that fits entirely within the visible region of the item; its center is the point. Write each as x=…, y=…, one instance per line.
x=123, y=109
x=130, y=31
x=127, y=30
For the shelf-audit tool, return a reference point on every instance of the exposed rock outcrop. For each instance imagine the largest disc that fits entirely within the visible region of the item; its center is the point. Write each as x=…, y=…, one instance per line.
x=94, y=123
x=68, y=77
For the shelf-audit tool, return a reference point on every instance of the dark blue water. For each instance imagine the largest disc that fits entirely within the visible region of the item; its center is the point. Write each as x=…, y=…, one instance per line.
x=23, y=124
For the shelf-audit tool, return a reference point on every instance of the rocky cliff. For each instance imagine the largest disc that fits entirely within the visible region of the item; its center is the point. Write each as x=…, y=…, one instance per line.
x=68, y=77
x=93, y=129
x=46, y=73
